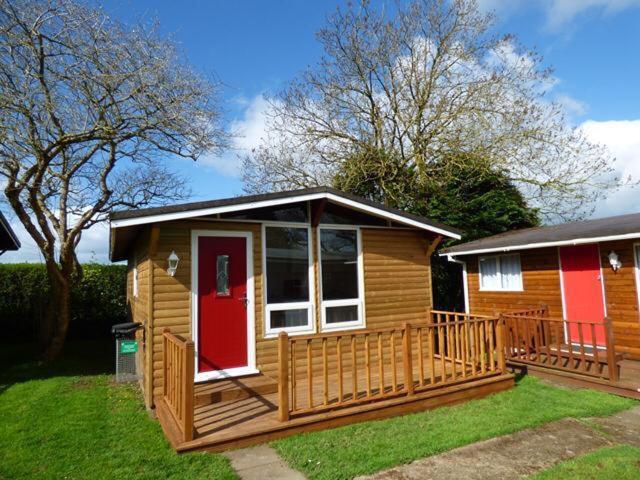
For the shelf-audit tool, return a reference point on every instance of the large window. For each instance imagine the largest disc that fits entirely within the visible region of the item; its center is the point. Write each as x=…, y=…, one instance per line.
x=288, y=279
x=501, y=273
x=341, y=275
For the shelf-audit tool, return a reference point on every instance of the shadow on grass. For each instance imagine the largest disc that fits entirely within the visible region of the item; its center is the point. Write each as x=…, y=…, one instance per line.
x=21, y=363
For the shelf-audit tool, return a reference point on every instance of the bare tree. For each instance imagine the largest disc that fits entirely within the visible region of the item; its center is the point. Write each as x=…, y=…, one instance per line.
x=89, y=112
x=429, y=82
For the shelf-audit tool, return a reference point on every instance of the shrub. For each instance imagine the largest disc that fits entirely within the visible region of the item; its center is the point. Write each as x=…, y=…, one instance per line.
x=98, y=300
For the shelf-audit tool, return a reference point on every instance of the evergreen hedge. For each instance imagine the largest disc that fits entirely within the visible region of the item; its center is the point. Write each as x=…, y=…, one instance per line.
x=98, y=300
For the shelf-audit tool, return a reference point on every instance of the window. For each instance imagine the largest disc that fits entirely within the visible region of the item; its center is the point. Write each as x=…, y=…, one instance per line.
x=289, y=277
x=636, y=249
x=135, y=277
x=295, y=212
x=338, y=215
x=222, y=276
x=501, y=272
x=341, y=275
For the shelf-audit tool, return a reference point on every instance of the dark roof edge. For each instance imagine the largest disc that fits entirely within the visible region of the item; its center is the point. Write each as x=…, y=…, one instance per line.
x=7, y=227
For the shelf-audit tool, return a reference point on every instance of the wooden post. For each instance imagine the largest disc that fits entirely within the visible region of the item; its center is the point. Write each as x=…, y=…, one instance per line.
x=611, y=351
x=188, y=366
x=165, y=361
x=283, y=377
x=500, y=342
x=408, y=359
x=544, y=310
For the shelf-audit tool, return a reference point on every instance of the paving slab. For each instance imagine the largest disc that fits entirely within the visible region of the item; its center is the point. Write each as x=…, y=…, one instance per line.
x=260, y=463
x=623, y=427
x=511, y=456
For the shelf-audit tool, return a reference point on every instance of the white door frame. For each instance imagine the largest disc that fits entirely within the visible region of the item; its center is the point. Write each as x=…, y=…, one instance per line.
x=250, y=368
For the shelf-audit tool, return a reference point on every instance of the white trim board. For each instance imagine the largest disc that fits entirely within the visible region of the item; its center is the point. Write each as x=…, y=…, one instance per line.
x=164, y=217
x=529, y=246
x=251, y=331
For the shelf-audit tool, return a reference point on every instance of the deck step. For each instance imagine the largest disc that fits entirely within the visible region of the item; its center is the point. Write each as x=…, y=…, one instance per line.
x=233, y=389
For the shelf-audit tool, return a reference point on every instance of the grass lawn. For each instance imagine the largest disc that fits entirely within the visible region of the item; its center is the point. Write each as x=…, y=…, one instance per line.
x=71, y=421
x=369, y=447
x=615, y=463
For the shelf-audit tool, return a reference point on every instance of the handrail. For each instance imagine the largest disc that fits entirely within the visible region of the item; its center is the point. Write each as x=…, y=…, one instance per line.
x=178, y=369
x=326, y=371
x=559, y=344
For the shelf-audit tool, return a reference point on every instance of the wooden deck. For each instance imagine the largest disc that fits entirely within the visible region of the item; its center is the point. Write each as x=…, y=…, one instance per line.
x=232, y=414
x=628, y=384
x=333, y=379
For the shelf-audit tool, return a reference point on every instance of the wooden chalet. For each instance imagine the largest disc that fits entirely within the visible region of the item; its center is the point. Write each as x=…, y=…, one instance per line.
x=586, y=274
x=268, y=315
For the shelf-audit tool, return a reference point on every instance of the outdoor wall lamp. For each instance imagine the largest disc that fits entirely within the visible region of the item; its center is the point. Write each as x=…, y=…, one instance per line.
x=614, y=260
x=172, y=261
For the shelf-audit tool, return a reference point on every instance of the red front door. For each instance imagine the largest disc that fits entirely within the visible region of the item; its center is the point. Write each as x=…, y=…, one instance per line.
x=583, y=297
x=222, y=303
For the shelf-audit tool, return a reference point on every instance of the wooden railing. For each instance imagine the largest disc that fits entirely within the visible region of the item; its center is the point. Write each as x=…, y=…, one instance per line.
x=560, y=344
x=178, y=370
x=335, y=370
x=539, y=311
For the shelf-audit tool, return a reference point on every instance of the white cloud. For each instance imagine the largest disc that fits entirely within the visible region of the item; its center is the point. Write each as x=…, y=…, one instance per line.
x=622, y=137
x=248, y=131
x=559, y=12
x=572, y=106
x=93, y=247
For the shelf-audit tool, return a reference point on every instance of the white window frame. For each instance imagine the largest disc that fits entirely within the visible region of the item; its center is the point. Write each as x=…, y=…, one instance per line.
x=636, y=261
x=498, y=258
x=134, y=274
x=309, y=305
x=359, y=302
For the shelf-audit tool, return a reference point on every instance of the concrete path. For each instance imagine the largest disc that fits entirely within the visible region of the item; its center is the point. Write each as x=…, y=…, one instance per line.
x=523, y=453
x=261, y=463
x=503, y=458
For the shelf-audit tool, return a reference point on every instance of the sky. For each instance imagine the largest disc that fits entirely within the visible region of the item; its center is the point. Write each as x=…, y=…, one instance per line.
x=255, y=47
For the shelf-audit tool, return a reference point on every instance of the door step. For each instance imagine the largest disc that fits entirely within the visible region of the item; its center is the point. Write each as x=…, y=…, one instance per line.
x=233, y=389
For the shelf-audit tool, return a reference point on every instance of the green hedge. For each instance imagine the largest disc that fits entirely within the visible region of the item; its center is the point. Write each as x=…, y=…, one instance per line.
x=98, y=300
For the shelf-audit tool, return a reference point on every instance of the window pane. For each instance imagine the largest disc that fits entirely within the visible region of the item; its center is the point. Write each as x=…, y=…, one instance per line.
x=339, y=255
x=489, y=273
x=339, y=215
x=341, y=314
x=222, y=275
x=289, y=318
x=287, y=264
x=510, y=270
x=296, y=212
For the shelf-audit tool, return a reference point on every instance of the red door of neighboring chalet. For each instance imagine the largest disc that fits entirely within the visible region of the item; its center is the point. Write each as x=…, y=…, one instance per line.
x=583, y=291
x=222, y=303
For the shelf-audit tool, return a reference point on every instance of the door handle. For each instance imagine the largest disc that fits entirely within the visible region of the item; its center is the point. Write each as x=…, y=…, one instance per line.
x=244, y=300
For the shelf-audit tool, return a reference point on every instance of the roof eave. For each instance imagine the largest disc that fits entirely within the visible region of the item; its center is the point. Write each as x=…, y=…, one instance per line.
x=531, y=246
x=163, y=217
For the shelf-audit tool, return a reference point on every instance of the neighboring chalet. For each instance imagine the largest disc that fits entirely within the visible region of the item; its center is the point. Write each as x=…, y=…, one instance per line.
x=272, y=314
x=8, y=239
x=585, y=273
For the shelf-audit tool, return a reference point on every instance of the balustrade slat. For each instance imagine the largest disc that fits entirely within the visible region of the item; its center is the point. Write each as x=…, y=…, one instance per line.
x=420, y=358
x=354, y=367
x=594, y=346
x=432, y=358
x=394, y=372
x=340, y=372
x=583, y=358
x=367, y=363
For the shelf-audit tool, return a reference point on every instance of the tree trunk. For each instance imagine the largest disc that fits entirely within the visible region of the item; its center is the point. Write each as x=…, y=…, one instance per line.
x=59, y=307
